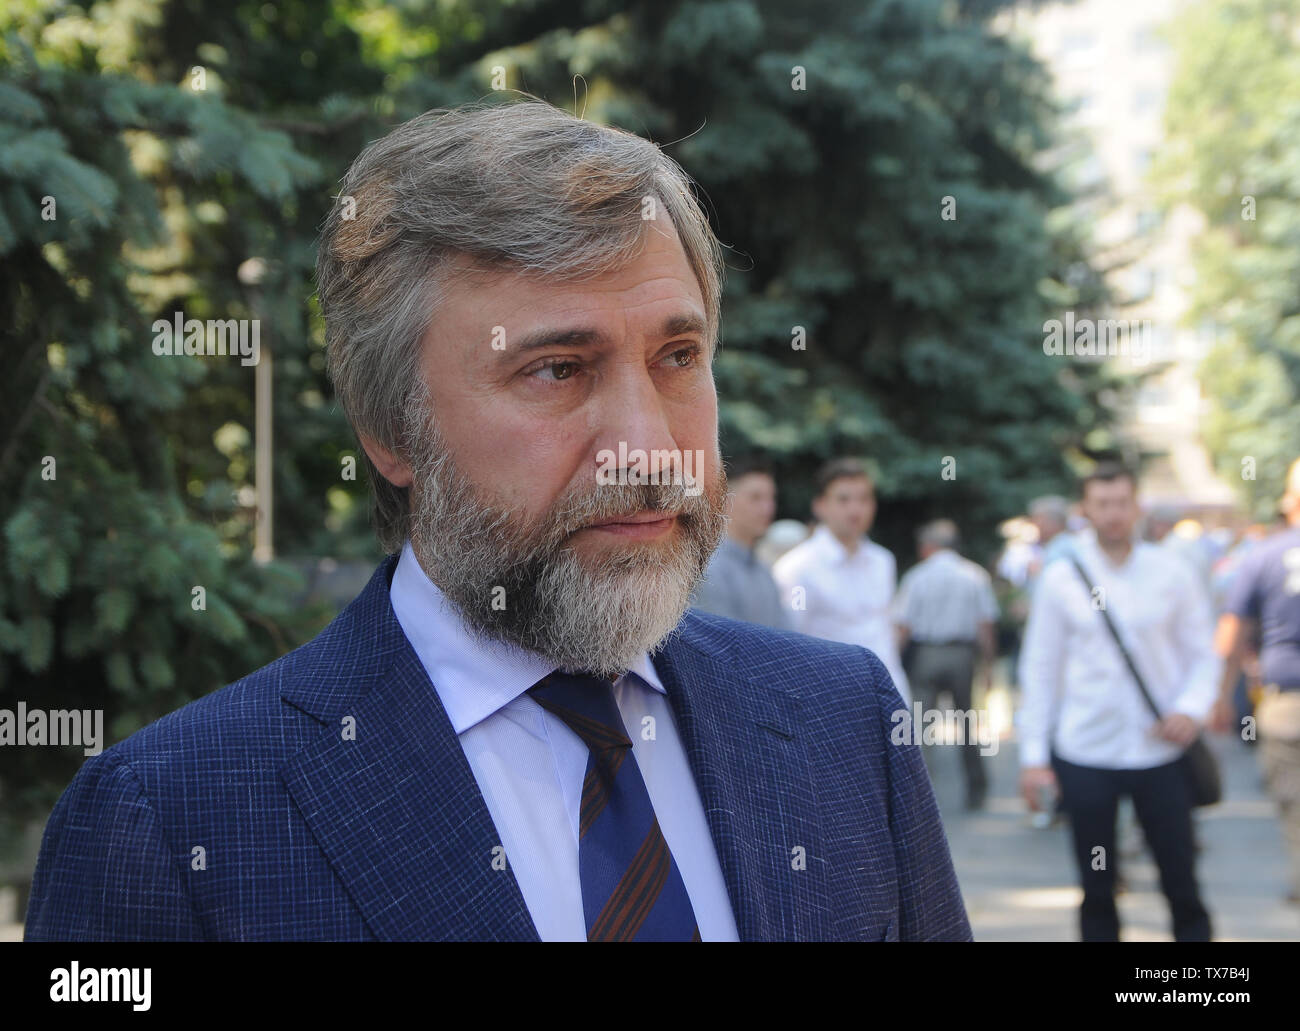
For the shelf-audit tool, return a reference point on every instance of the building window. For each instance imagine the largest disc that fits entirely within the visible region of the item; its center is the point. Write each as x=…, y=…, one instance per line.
x=1142, y=283
x=1147, y=39
x=1148, y=100
x=1078, y=48
x=1146, y=221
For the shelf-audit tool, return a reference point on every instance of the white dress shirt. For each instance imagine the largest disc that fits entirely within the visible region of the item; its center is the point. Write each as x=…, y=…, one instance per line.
x=1077, y=694
x=530, y=766
x=845, y=597
x=945, y=598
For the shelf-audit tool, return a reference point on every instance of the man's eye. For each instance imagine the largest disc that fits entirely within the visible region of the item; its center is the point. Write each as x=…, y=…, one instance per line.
x=686, y=357
x=558, y=370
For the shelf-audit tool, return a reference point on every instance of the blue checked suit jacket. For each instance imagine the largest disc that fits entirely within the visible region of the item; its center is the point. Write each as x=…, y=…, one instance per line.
x=824, y=829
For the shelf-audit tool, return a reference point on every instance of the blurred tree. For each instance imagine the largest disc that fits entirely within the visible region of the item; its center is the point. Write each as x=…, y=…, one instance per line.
x=1233, y=119
x=138, y=171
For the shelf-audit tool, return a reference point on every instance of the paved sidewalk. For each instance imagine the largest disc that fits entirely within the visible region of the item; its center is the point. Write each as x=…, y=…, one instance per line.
x=1020, y=883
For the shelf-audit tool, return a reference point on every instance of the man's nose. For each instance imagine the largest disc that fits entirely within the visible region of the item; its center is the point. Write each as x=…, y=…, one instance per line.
x=632, y=413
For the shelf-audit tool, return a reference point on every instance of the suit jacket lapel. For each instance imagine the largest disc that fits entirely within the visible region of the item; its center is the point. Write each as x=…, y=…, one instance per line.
x=396, y=807
x=742, y=741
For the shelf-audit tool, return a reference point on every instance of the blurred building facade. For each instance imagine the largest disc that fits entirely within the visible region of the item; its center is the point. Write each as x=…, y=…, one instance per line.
x=1111, y=64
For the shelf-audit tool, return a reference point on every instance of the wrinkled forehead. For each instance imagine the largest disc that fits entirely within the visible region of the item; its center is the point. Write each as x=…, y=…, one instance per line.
x=515, y=309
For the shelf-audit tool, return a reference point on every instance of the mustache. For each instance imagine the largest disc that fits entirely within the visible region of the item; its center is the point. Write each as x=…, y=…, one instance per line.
x=491, y=527
x=610, y=502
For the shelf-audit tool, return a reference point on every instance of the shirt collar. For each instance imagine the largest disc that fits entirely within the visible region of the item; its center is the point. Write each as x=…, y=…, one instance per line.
x=941, y=556
x=831, y=545
x=1086, y=540
x=474, y=678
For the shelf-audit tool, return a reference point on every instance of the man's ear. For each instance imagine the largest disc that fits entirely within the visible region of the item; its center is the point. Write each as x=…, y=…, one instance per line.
x=392, y=468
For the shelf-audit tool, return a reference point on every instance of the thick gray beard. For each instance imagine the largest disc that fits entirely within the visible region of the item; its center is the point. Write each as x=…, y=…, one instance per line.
x=598, y=620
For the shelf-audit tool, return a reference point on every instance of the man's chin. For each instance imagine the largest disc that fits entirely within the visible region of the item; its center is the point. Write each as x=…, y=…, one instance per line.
x=599, y=611
x=611, y=659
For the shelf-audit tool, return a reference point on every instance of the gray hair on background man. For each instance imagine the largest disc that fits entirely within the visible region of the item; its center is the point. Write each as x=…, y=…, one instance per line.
x=941, y=533
x=521, y=186
x=1053, y=507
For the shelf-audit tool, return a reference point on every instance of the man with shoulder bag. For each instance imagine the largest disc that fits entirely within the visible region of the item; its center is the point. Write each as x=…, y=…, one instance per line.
x=1118, y=675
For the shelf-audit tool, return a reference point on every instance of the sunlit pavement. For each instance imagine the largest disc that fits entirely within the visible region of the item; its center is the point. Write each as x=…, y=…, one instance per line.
x=1019, y=883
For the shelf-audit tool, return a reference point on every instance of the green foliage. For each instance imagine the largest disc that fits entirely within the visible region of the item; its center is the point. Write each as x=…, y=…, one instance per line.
x=123, y=198
x=1234, y=124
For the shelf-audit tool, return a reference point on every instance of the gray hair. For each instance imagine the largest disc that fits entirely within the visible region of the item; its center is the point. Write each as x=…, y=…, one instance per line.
x=941, y=533
x=1052, y=506
x=519, y=186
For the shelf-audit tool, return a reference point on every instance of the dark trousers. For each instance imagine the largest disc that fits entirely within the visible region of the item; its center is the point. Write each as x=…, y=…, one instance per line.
x=1090, y=797
x=934, y=669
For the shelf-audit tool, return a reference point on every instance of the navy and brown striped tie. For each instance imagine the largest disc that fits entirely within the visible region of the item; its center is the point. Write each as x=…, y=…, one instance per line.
x=631, y=887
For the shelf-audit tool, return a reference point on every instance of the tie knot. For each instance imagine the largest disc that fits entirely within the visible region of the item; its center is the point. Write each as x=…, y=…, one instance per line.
x=586, y=704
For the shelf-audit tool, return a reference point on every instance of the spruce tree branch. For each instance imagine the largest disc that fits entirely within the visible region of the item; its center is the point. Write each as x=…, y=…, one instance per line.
x=313, y=128
x=38, y=397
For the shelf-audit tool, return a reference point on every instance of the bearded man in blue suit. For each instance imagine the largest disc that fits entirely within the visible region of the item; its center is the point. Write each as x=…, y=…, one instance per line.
x=518, y=730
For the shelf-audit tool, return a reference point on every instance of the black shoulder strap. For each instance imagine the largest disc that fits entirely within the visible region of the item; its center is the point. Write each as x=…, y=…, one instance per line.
x=1110, y=625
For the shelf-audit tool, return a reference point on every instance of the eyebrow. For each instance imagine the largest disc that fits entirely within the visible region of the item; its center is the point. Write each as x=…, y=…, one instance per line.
x=675, y=325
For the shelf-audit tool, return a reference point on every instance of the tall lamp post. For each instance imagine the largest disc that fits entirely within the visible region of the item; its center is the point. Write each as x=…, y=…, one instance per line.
x=251, y=273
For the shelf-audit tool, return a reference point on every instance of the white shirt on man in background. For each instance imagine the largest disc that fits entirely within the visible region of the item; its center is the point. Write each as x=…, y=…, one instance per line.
x=844, y=597
x=945, y=598
x=1077, y=695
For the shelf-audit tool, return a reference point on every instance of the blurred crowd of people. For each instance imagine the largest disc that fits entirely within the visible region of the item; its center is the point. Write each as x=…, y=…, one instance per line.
x=1129, y=633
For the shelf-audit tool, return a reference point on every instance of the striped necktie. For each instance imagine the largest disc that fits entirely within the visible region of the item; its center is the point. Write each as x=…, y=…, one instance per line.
x=631, y=887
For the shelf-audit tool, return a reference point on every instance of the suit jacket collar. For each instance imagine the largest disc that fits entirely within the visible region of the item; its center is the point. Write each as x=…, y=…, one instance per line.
x=388, y=793
x=743, y=739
